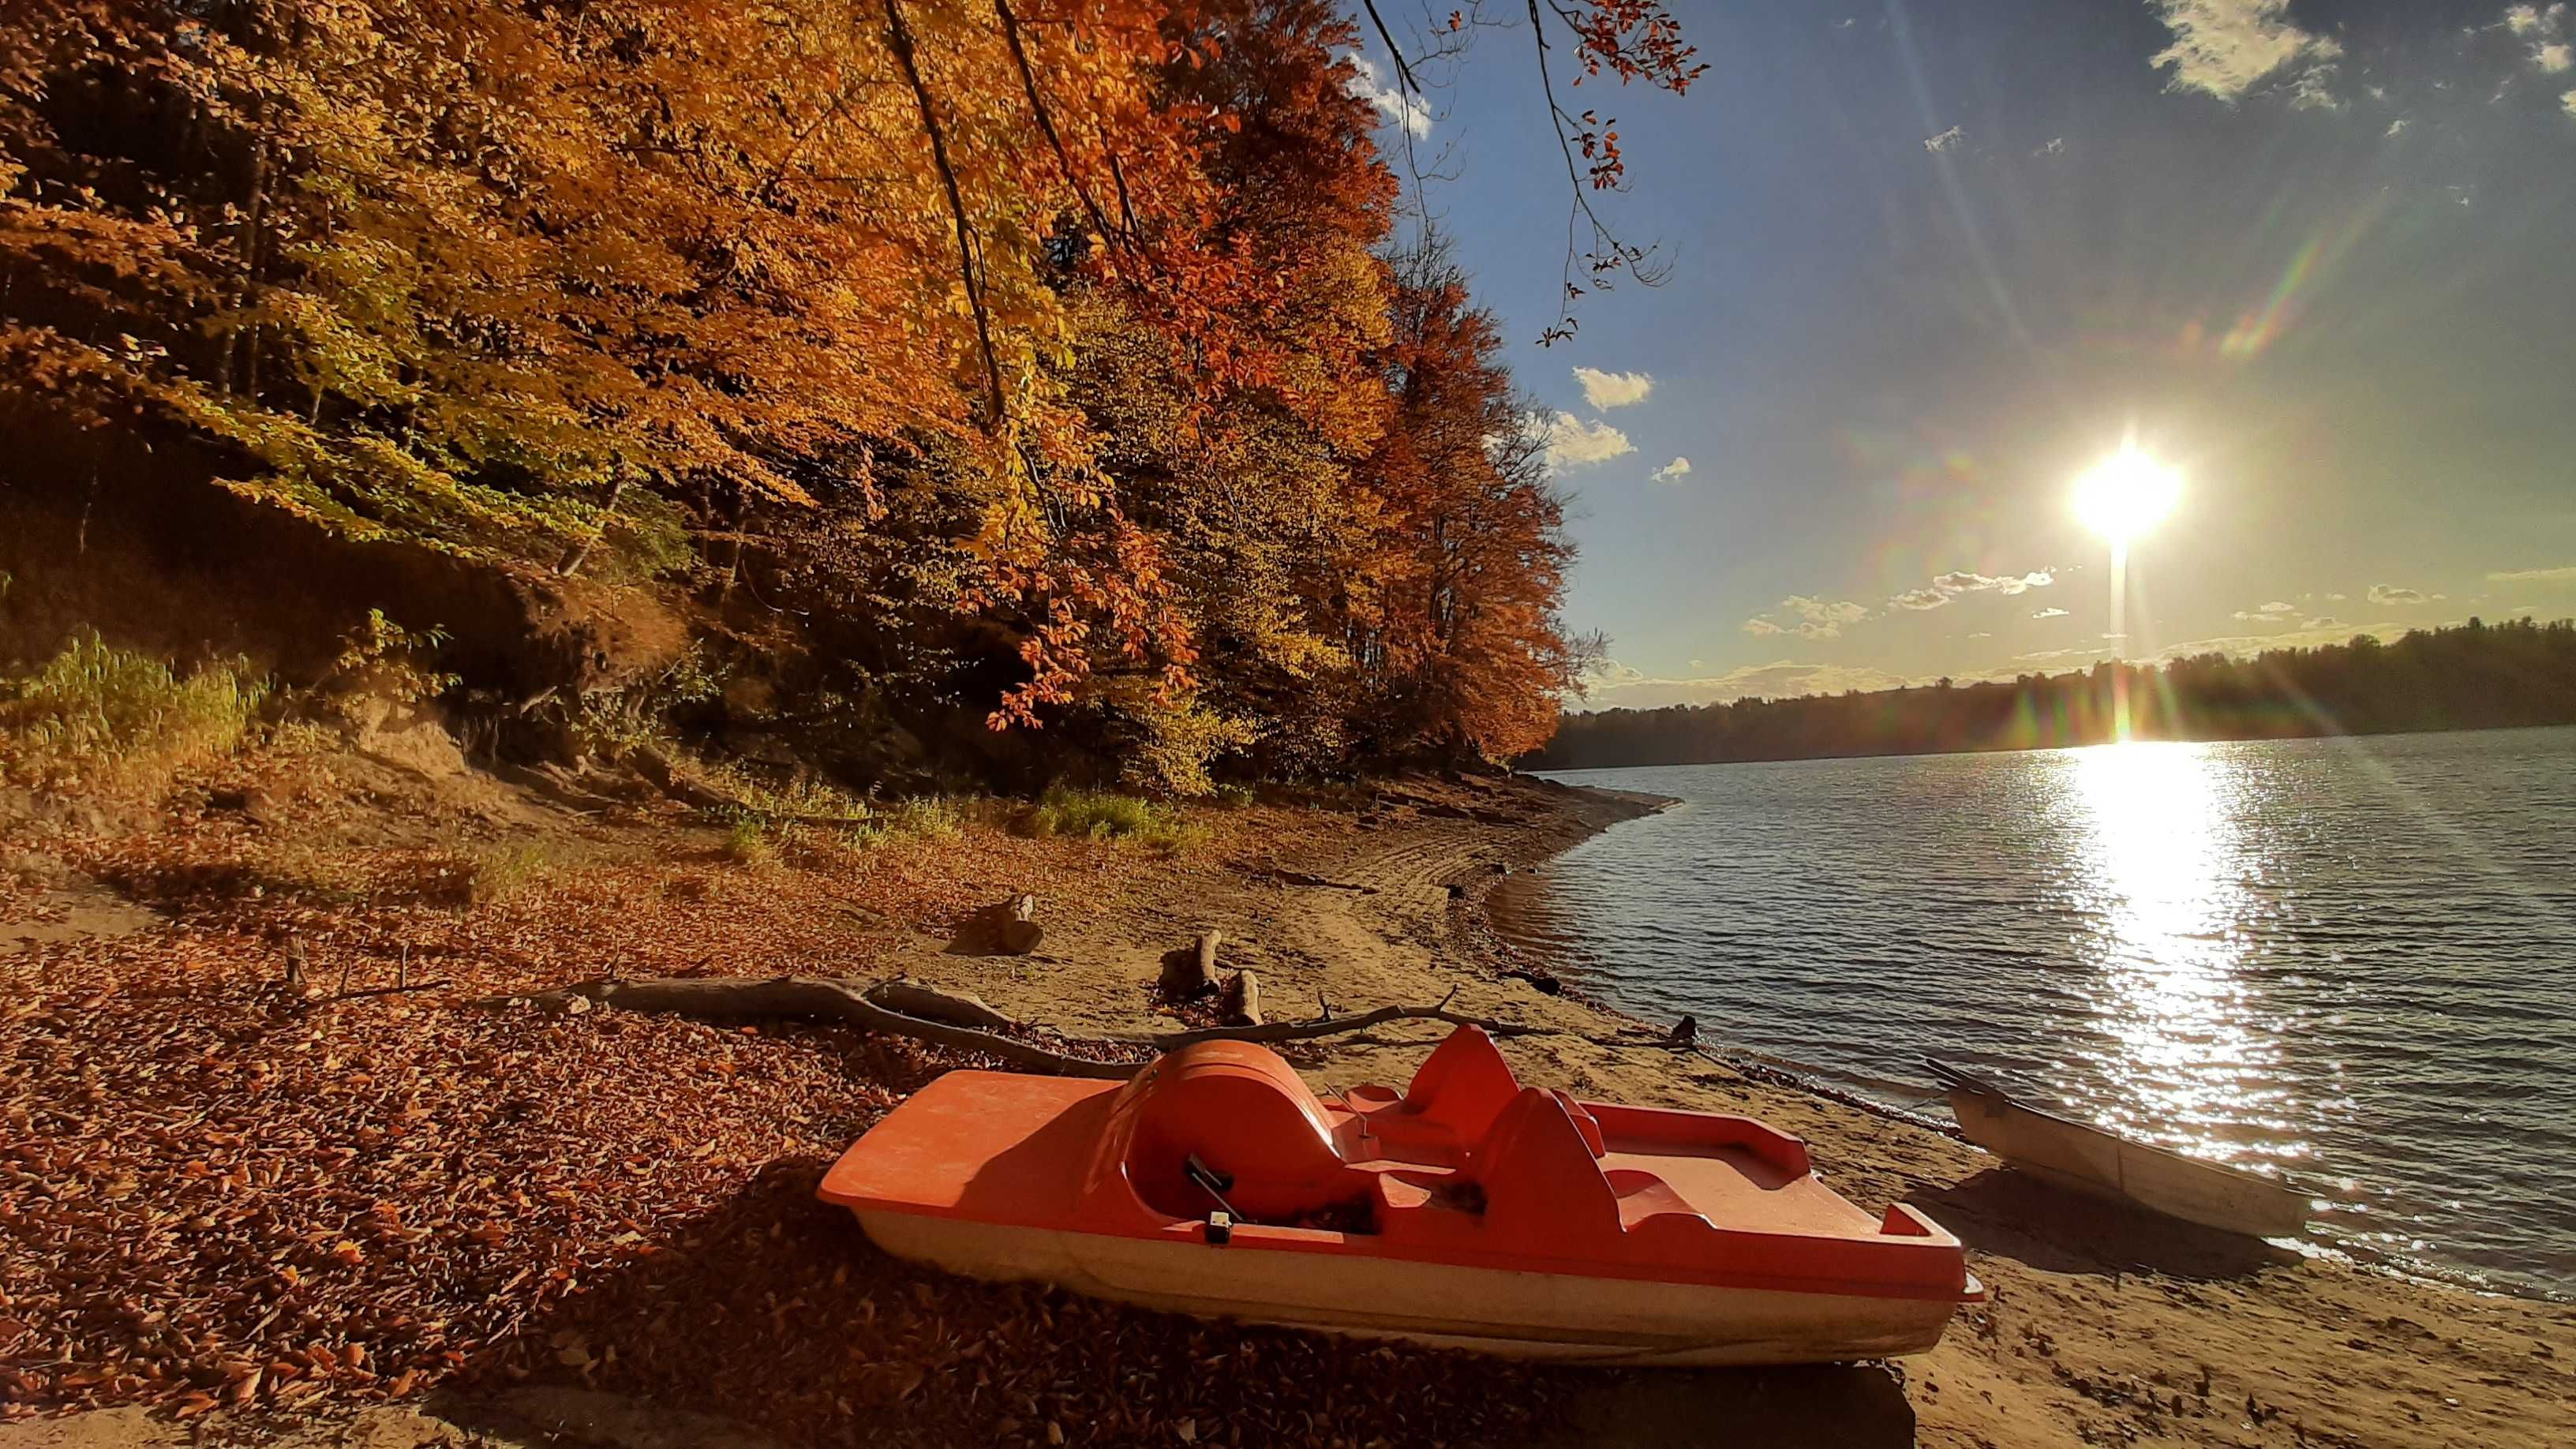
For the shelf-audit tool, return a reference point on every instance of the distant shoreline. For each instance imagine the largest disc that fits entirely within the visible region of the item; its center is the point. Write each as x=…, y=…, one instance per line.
x=2473, y=676
x=1542, y=770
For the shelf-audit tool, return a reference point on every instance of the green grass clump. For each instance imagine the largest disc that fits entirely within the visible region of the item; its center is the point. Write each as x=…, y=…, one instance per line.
x=1107, y=815
x=100, y=715
x=503, y=869
x=925, y=817
x=758, y=799
x=749, y=844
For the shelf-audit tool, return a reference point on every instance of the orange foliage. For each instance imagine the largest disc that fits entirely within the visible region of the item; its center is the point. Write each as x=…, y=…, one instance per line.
x=687, y=292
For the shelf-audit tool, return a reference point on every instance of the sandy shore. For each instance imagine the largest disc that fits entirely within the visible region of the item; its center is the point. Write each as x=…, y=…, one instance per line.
x=2104, y=1328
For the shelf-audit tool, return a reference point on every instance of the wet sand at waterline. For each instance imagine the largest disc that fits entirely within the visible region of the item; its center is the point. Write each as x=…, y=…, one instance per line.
x=2104, y=1327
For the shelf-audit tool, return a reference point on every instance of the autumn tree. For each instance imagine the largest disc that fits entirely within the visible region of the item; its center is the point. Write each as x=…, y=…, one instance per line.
x=1018, y=362
x=1452, y=612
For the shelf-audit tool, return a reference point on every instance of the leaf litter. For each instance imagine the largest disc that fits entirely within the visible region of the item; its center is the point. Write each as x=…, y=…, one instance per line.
x=217, y=1194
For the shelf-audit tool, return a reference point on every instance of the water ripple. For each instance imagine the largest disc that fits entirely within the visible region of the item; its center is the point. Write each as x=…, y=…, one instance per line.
x=2354, y=960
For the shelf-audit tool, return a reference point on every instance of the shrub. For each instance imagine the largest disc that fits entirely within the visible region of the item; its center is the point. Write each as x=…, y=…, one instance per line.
x=1107, y=815
x=120, y=718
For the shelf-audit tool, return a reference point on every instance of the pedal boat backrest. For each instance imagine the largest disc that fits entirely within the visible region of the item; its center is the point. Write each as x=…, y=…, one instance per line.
x=1466, y=1161
x=1245, y=1115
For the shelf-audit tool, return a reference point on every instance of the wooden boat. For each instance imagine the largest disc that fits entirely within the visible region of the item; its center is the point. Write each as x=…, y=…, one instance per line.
x=2087, y=1159
x=1467, y=1212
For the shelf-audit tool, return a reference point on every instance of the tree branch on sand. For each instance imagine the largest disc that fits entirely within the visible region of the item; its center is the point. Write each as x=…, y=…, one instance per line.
x=863, y=1004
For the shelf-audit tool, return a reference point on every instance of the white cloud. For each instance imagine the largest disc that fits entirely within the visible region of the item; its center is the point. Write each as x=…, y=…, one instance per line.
x=1817, y=618
x=1616, y=686
x=1391, y=101
x=2547, y=30
x=1818, y=611
x=2051, y=612
x=1607, y=390
x=2566, y=575
x=1981, y=634
x=2322, y=621
x=2314, y=88
x=2276, y=612
x=2335, y=598
x=1574, y=443
x=2223, y=48
x=1674, y=471
x=1973, y=583
x=2567, y=102
x=1947, y=141
x=2080, y=651
x=2396, y=127
x=2391, y=594
x=1919, y=599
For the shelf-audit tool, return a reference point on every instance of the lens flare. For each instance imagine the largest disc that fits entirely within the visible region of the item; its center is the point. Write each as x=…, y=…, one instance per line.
x=2126, y=494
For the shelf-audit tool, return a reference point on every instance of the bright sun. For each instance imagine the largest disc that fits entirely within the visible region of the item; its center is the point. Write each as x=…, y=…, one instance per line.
x=2126, y=494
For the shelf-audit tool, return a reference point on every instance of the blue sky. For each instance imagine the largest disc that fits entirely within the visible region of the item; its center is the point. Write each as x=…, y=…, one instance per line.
x=1927, y=263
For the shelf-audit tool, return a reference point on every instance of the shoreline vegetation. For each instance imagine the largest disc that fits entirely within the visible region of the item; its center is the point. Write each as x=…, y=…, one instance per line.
x=309, y=1212
x=2475, y=675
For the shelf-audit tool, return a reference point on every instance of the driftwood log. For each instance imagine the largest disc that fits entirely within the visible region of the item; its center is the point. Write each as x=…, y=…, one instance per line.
x=1242, y=1002
x=1190, y=970
x=716, y=998
x=1006, y=928
x=932, y=1004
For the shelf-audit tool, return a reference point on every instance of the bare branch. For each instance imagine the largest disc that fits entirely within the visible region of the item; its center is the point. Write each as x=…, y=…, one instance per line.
x=1403, y=68
x=1046, y=122
x=899, y=36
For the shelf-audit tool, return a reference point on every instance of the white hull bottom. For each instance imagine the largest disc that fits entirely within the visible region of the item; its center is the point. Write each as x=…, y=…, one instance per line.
x=1486, y=1310
x=2088, y=1160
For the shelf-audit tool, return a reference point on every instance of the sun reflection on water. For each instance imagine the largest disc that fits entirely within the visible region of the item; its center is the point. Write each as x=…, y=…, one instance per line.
x=2168, y=885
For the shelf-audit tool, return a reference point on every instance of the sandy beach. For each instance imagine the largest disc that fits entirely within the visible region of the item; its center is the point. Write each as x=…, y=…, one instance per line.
x=406, y=1218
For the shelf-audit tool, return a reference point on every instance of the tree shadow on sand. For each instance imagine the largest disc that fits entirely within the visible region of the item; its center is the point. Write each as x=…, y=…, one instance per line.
x=774, y=1312
x=2014, y=1215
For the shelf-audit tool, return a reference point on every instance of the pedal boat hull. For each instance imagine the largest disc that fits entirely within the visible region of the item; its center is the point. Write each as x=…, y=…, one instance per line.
x=1505, y=1220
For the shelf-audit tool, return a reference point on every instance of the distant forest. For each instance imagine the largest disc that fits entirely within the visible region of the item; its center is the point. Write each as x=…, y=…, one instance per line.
x=2473, y=676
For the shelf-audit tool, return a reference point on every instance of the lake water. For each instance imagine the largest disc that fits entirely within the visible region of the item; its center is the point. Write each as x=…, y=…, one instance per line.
x=2350, y=960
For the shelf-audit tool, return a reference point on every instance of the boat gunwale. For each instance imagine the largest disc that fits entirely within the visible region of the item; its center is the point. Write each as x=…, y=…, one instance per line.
x=1264, y=1237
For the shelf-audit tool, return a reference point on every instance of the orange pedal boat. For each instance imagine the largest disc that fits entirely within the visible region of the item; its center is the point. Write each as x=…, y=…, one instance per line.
x=1469, y=1212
